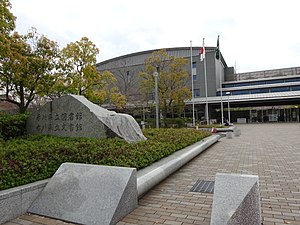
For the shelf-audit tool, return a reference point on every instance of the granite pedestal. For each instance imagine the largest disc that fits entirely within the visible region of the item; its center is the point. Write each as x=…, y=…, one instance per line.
x=88, y=194
x=236, y=200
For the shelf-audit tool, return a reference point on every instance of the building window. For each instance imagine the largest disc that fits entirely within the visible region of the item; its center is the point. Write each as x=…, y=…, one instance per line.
x=296, y=79
x=242, y=84
x=194, y=77
x=242, y=92
x=128, y=76
x=280, y=89
x=274, y=81
x=194, y=69
x=196, y=93
x=228, y=85
x=259, y=91
x=295, y=88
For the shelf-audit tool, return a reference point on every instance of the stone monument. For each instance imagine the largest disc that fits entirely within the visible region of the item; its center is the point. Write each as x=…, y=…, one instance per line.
x=75, y=116
x=88, y=194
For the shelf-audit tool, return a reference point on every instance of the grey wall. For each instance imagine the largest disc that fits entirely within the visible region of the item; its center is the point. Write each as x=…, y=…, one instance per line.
x=135, y=63
x=293, y=71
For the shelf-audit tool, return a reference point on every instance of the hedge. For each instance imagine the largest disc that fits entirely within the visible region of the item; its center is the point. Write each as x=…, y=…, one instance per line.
x=28, y=159
x=12, y=126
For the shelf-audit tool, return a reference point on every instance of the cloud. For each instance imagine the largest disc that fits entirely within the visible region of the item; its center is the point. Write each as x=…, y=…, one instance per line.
x=255, y=34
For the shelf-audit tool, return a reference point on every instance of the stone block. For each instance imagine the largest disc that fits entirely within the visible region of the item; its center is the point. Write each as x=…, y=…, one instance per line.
x=237, y=132
x=10, y=207
x=75, y=116
x=28, y=198
x=236, y=200
x=15, y=201
x=229, y=135
x=88, y=194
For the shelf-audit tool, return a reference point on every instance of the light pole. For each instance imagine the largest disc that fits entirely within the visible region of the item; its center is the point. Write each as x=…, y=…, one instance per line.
x=155, y=74
x=228, y=93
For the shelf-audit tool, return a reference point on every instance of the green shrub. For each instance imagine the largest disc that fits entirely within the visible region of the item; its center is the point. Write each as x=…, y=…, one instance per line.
x=12, y=126
x=31, y=158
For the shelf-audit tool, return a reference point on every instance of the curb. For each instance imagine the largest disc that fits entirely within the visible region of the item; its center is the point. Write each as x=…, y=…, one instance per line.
x=15, y=201
x=150, y=176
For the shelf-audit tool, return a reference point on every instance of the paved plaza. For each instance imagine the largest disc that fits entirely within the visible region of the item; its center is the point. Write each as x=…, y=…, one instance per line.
x=271, y=151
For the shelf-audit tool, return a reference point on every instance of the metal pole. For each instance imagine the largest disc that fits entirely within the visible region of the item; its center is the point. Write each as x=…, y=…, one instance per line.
x=144, y=113
x=228, y=93
x=206, y=102
x=221, y=90
x=193, y=104
x=155, y=74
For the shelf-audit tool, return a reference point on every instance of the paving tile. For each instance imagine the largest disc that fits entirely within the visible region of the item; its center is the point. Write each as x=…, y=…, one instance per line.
x=270, y=151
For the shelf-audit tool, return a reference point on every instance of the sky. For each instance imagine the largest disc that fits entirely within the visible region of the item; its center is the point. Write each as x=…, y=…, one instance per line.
x=254, y=34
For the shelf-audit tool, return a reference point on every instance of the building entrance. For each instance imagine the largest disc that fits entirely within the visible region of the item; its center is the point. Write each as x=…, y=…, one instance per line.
x=289, y=113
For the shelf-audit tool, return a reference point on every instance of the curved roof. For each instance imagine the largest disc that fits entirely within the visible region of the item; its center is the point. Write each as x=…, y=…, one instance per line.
x=139, y=58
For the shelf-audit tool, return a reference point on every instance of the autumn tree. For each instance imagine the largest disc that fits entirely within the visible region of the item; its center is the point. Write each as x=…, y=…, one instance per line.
x=26, y=61
x=26, y=68
x=172, y=90
x=7, y=25
x=7, y=19
x=80, y=75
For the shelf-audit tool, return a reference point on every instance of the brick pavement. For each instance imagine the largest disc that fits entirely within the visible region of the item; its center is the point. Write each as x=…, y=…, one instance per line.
x=271, y=151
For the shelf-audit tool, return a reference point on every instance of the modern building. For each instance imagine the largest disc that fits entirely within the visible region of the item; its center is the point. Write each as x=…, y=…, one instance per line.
x=260, y=96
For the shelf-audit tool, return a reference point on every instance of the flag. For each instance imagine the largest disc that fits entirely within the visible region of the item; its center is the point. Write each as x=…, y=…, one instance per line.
x=218, y=49
x=202, y=52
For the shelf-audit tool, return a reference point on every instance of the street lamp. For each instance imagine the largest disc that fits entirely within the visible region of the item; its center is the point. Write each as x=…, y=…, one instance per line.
x=155, y=74
x=228, y=93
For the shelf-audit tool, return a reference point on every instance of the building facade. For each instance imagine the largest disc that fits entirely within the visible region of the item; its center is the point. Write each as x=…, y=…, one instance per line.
x=260, y=96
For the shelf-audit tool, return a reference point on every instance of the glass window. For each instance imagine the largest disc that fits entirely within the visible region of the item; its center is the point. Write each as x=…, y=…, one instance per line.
x=241, y=92
x=242, y=84
x=258, y=82
x=295, y=88
x=194, y=65
x=274, y=81
x=296, y=79
x=280, y=89
x=194, y=77
x=258, y=91
x=196, y=93
x=228, y=85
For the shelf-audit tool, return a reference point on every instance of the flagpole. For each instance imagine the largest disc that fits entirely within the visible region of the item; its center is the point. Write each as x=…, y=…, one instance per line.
x=205, y=80
x=193, y=104
x=221, y=88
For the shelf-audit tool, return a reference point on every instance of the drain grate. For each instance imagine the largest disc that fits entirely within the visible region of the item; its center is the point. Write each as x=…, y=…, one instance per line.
x=203, y=186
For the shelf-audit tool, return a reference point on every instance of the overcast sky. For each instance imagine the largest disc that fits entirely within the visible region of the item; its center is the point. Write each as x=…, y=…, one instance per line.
x=254, y=34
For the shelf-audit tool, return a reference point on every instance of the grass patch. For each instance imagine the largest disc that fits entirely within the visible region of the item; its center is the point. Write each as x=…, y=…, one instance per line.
x=32, y=158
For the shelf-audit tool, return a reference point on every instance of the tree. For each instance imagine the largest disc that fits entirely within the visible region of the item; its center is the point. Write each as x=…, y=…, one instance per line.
x=80, y=75
x=127, y=80
x=26, y=70
x=172, y=81
x=7, y=25
x=7, y=19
